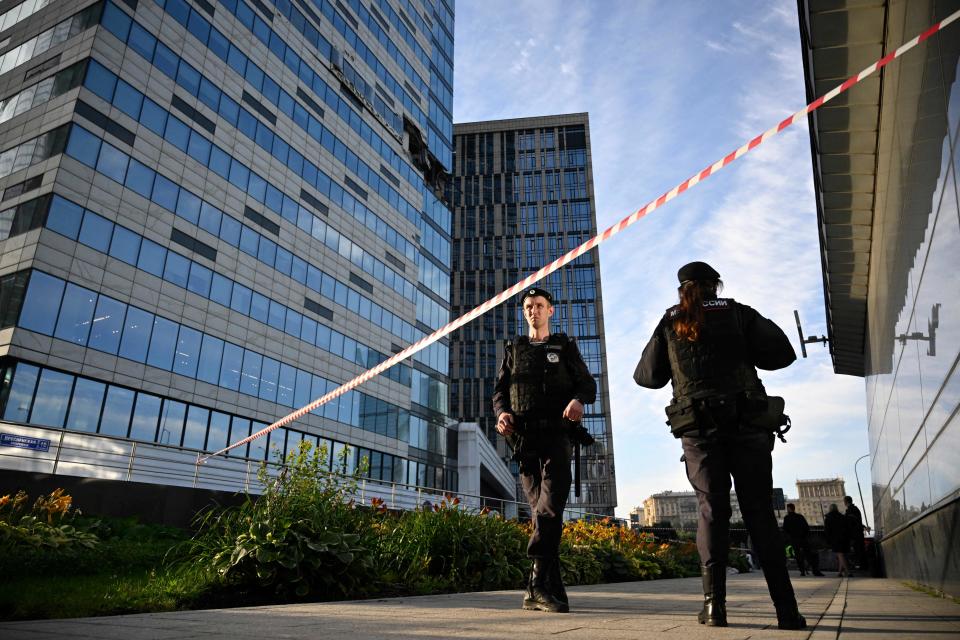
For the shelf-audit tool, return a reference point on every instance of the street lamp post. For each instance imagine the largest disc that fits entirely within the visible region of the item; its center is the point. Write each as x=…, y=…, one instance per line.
x=859, y=490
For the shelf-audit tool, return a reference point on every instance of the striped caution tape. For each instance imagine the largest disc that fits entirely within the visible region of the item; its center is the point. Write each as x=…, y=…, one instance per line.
x=593, y=242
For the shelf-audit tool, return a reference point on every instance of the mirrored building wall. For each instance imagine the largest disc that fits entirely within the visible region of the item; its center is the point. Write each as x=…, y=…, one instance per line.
x=886, y=163
x=523, y=196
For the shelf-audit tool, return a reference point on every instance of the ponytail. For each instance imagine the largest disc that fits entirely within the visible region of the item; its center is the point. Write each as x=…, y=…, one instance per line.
x=689, y=320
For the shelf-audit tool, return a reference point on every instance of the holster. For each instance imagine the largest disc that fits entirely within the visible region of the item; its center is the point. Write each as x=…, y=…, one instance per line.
x=765, y=413
x=701, y=417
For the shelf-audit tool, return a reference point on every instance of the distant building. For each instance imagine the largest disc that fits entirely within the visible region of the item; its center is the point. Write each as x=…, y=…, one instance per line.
x=636, y=518
x=523, y=196
x=680, y=509
x=814, y=498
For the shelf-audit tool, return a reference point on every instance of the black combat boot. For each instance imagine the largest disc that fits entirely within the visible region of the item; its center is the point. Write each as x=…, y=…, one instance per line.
x=714, y=612
x=538, y=597
x=788, y=616
x=555, y=582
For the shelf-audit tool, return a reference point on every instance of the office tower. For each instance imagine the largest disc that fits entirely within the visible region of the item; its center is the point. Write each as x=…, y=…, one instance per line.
x=216, y=211
x=523, y=196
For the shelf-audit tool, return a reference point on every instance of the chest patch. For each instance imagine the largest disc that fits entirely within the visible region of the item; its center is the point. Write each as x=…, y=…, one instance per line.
x=553, y=358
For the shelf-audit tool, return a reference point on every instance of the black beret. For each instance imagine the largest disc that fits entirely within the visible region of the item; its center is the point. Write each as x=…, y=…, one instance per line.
x=697, y=271
x=536, y=291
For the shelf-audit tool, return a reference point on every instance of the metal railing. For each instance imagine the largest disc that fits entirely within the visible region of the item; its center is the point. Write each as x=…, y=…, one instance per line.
x=74, y=453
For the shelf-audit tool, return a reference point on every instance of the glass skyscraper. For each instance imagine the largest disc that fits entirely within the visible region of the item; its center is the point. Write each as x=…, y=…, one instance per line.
x=523, y=196
x=215, y=211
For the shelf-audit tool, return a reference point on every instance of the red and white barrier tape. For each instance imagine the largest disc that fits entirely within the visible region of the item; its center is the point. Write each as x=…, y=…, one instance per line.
x=573, y=254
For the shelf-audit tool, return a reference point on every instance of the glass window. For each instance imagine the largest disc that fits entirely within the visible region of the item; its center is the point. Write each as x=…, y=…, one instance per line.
x=107, y=325
x=152, y=257
x=240, y=301
x=188, y=352
x=210, y=218
x=76, y=313
x=301, y=394
x=217, y=433
x=145, y=418
x=96, y=232
x=199, y=281
x=171, y=422
x=250, y=373
x=50, y=402
x=64, y=217
x=116, y=412
x=249, y=240
x=221, y=290
x=139, y=178
x=153, y=117
x=230, y=231
x=142, y=42
x=258, y=447
x=42, y=303
x=125, y=245
x=239, y=429
x=112, y=163
x=136, y=334
x=21, y=393
x=199, y=148
x=269, y=376
x=100, y=81
x=188, y=206
x=259, y=307
x=211, y=352
x=85, y=406
x=177, y=269
x=277, y=315
x=162, y=343
x=286, y=385
x=84, y=146
x=128, y=100
x=219, y=162
x=230, y=366
x=195, y=434
x=165, y=193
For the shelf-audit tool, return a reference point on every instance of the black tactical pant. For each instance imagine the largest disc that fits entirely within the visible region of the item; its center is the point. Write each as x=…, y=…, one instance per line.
x=745, y=455
x=546, y=478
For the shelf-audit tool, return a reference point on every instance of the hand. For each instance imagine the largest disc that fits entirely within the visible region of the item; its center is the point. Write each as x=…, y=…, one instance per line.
x=505, y=424
x=574, y=411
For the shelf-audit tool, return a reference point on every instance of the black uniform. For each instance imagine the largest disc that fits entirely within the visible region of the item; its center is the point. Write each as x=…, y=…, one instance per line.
x=715, y=383
x=797, y=530
x=536, y=382
x=855, y=520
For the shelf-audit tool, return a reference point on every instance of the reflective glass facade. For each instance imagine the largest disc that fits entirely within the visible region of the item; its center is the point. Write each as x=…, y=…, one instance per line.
x=523, y=196
x=898, y=244
x=213, y=212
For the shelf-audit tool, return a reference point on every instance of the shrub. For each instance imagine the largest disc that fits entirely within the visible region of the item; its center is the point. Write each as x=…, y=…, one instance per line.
x=447, y=548
x=47, y=526
x=302, y=536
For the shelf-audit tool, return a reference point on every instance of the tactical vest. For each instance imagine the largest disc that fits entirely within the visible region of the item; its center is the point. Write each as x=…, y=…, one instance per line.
x=540, y=382
x=714, y=365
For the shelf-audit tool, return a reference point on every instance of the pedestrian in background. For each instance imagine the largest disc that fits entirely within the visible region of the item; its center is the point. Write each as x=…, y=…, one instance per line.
x=709, y=348
x=836, y=528
x=539, y=395
x=797, y=531
x=855, y=523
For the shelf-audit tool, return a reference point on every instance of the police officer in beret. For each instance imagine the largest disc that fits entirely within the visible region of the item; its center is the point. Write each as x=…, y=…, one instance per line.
x=710, y=349
x=540, y=391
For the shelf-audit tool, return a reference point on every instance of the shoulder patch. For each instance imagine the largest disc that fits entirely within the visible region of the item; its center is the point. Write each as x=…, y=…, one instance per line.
x=716, y=305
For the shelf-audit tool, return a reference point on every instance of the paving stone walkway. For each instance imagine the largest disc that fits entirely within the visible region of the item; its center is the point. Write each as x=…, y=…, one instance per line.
x=835, y=608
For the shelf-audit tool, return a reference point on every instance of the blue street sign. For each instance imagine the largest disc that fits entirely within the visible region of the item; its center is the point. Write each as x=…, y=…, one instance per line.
x=24, y=442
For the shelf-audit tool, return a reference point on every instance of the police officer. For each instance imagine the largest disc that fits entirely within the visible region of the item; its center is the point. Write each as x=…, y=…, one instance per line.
x=709, y=348
x=540, y=391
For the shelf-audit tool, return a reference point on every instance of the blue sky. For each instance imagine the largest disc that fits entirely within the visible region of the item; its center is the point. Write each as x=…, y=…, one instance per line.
x=670, y=88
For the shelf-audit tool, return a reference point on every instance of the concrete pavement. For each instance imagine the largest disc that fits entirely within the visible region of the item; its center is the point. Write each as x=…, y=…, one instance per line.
x=854, y=608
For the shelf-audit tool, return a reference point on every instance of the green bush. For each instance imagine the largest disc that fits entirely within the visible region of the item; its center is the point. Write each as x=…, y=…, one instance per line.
x=446, y=548
x=47, y=526
x=302, y=536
